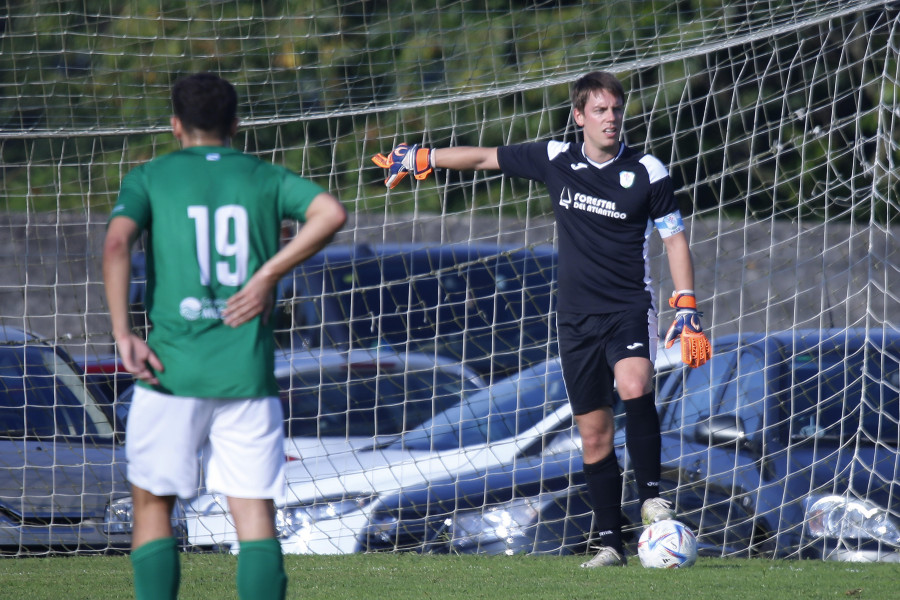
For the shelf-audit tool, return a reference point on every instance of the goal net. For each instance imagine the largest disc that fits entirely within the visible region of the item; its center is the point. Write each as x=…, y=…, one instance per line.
x=777, y=119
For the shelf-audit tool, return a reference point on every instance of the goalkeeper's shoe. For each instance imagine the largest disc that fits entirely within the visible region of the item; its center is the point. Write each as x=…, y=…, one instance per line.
x=656, y=509
x=403, y=161
x=605, y=557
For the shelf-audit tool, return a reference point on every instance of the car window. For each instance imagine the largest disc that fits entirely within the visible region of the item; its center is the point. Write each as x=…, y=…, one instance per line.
x=502, y=411
x=707, y=390
x=749, y=386
x=880, y=408
x=361, y=401
x=836, y=396
x=309, y=308
x=817, y=393
x=486, y=307
x=43, y=397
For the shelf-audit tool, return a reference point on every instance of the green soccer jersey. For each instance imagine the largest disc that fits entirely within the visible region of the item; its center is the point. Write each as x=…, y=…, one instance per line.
x=213, y=216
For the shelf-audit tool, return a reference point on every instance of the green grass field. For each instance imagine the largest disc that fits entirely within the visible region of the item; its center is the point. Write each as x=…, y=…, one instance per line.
x=417, y=577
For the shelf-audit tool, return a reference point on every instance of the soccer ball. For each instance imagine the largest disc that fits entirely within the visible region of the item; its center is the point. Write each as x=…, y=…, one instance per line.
x=667, y=544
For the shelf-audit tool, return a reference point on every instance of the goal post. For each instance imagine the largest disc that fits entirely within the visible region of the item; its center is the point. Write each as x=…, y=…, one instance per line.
x=778, y=121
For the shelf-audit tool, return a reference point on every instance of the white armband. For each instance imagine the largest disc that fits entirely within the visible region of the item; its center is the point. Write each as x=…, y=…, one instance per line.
x=670, y=224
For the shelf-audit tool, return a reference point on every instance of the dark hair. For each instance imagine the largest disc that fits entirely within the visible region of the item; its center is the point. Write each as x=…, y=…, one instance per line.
x=594, y=82
x=206, y=102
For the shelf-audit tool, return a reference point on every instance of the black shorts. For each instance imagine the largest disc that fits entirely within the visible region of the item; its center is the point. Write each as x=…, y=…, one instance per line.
x=591, y=345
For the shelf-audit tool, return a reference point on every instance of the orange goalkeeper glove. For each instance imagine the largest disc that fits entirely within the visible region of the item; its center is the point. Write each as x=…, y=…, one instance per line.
x=403, y=160
x=695, y=348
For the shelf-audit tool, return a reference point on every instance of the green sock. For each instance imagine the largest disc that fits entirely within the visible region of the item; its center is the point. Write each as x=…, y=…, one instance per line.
x=260, y=571
x=157, y=570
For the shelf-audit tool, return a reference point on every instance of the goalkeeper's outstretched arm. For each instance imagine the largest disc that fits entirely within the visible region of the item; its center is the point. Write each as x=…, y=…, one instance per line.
x=466, y=158
x=421, y=162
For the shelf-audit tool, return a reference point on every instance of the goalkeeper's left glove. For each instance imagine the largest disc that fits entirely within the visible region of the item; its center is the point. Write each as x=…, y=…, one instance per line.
x=695, y=347
x=403, y=160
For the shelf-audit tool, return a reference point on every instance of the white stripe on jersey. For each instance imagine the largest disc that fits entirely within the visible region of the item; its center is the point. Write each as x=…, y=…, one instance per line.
x=555, y=148
x=655, y=168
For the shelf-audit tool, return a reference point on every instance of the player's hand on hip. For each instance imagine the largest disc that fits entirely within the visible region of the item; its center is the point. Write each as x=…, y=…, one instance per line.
x=404, y=160
x=138, y=359
x=254, y=299
x=695, y=347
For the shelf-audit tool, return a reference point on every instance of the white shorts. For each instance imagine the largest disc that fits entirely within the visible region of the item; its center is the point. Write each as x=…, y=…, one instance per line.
x=239, y=443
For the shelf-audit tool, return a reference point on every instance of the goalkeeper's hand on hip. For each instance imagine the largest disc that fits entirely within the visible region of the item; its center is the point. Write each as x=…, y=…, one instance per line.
x=404, y=160
x=695, y=347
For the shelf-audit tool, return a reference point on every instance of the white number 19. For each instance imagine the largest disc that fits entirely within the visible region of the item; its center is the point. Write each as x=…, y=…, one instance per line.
x=230, y=226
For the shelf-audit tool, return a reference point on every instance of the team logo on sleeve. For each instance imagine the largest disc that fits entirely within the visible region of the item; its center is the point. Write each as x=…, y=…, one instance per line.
x=626, y=179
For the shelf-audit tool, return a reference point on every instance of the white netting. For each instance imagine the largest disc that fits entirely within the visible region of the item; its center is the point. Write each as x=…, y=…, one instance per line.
x=777, y=119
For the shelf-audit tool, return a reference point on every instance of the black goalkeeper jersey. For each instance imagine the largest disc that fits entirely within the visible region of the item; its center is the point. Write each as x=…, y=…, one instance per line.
x=604, y=215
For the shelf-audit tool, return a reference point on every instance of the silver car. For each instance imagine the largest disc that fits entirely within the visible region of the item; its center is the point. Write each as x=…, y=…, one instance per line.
x=329, y=498
x=61, y=461
x=343, y=401
x=337, y=404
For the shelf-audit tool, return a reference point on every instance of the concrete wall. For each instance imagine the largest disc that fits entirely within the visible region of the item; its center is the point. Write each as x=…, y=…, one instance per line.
x=760, y=276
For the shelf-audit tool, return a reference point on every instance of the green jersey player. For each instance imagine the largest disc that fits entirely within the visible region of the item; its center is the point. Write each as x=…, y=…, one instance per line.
x=213, y=219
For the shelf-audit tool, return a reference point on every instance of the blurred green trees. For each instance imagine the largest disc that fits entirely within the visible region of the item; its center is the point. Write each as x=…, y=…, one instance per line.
x=794, y=123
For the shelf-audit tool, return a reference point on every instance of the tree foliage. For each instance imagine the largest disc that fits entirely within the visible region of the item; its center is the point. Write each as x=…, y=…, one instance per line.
x=790, y=124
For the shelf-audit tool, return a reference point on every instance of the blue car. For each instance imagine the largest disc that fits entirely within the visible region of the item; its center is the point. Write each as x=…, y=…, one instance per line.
x=535, y=505
x=533, y=502
x=485, y=305
x=784, y=445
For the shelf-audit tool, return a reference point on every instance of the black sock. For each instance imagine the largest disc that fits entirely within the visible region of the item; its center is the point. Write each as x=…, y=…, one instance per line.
x=604, y=484
x=643, y=442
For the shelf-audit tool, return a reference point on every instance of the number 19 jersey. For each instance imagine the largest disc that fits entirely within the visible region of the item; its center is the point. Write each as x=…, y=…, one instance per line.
x=213, y=217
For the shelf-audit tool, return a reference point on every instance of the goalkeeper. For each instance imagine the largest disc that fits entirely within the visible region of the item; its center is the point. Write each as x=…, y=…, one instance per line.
x=606, y=198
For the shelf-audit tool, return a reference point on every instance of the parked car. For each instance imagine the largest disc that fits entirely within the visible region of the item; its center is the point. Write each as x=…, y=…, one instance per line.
x=329, y=500
x=786, y=445
x=483, y=304
x=338, y=402
x=534, y=505
x=61, y=459
x=783, y=445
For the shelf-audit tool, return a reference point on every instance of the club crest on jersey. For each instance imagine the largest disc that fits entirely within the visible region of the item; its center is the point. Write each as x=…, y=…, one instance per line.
x=626, y=179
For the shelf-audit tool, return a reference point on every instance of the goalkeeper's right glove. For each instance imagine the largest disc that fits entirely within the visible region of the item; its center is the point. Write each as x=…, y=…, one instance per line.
x=695, y=347
x=404, y=159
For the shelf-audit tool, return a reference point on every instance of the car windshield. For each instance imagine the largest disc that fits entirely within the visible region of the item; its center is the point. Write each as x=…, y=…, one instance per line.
x=42, y=397
x=363, y=401
x=500, y=412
